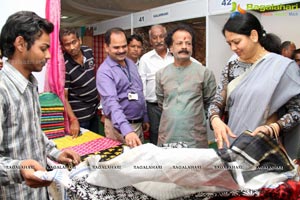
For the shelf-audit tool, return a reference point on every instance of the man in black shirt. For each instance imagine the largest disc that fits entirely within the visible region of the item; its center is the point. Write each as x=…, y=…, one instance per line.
x=81, y=95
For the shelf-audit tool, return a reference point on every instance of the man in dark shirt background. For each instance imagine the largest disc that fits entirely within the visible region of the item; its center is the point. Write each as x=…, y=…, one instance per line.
x=81, y=95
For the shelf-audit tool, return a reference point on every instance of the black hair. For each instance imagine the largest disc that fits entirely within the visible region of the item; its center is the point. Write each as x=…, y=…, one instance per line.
x=274, y=46
x=180, y=27
x=134, y=37
x=26, y=24
x=110, y=31
x=297, y=51
x=67, y=31
x=245, y=23
x=285, y=45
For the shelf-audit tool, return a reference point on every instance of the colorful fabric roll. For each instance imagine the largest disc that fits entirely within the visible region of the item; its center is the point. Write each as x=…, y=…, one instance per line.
x=52, y=118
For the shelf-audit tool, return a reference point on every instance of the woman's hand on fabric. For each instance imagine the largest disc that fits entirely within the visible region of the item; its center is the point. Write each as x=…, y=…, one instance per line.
x=132, y=140
x=262, y=129
x=221, y=131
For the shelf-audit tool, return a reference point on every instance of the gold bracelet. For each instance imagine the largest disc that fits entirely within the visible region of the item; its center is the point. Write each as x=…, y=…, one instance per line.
x=275, y=129
x=270, y=130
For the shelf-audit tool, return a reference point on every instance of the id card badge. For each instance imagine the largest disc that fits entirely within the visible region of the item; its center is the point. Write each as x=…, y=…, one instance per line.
x=132, y=96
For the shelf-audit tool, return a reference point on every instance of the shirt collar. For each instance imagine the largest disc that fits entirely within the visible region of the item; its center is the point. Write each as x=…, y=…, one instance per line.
x=71, y=60
x=17, y=78
x=113, y=63
x=167, y=54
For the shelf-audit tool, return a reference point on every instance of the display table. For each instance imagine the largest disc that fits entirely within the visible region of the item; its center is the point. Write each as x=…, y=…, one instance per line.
x=128, y=181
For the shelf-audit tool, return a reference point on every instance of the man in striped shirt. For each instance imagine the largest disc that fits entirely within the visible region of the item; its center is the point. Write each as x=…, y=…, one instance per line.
x=25, y=42
x=80, y=86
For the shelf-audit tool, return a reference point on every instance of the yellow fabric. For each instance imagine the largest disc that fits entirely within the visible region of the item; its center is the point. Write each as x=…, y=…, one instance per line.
x=53, y=130
x=68, y=141
x=53, y=108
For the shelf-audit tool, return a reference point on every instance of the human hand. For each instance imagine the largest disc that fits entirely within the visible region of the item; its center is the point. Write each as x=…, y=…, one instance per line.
x=146, y=126
x=271, y=130
x=221, y=131
x=74, y=128
x=262, y=129
x=28, y=167
x=132, y=140
x=69, y=156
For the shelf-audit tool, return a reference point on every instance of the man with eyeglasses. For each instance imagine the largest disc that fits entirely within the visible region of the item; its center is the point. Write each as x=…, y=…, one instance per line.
x=82, y=99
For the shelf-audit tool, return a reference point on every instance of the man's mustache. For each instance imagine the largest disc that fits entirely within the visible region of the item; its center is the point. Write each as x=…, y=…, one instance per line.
x=159, y=44
x=184, y=51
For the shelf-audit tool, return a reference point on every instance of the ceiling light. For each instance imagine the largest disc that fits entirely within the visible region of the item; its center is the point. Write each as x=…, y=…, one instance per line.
x=64, y=17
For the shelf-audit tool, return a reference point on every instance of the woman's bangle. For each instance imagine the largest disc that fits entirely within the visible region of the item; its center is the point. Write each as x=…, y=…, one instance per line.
x=213, y=117
x=276, y=128
x=73, y=119
x=270, y=130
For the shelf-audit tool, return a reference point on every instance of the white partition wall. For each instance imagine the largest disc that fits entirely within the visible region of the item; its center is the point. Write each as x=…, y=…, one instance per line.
x=173, y=12
x=188, y=9
x=284, y=23
x=122, y=22
x=9, y=7
x=217, y=51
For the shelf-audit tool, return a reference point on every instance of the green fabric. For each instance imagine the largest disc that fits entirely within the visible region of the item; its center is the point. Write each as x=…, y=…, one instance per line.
x=48, y=99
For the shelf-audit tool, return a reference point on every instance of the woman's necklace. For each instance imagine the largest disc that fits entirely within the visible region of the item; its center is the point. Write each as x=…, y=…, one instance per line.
x=262, y=52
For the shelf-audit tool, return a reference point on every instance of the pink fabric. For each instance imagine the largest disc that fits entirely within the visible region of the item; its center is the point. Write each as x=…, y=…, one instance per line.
x=55, y=75
x=94, y=146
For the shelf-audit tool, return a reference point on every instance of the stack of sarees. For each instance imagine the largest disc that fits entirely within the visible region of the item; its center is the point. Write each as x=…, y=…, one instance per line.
x=52, y=119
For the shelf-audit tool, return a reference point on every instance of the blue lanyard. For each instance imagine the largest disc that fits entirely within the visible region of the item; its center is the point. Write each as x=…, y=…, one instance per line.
x=126, y=73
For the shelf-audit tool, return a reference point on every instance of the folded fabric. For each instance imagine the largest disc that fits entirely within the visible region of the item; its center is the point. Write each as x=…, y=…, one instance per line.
x=69, y=141
x=55, y=135
x=93, y=146
x=52, y=119
x=54, y=130
x=51, y=116
x=53, y=122
x=256, y=160
x=171, y=173
x=60, y=114
x=61, y=124
x=52, y=109
x=81, y=189
x=47, y=111
x=107, y=154
x=49, y=99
